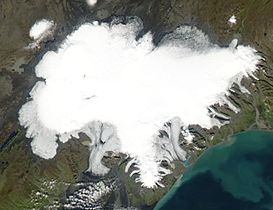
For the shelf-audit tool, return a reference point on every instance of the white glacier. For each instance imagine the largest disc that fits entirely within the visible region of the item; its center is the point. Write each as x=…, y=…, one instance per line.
x=120, y=92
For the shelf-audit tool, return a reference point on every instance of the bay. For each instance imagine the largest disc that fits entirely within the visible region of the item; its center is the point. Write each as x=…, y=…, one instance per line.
x=235, y=175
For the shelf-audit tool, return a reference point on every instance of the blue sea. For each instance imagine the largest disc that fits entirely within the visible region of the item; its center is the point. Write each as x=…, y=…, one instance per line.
x=235, y=175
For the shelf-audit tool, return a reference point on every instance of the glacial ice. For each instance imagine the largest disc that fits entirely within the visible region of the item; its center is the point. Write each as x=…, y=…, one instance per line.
x=120, y=91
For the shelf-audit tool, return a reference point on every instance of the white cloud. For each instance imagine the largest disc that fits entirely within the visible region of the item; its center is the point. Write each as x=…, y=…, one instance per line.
x=101, y=73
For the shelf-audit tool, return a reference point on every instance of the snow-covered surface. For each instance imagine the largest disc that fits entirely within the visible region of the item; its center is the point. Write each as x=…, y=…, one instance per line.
x=232, y=19
x=163, y=148
x=41, y=30
x=40, y=27
x=91, y=2
x=101, y=76
x=104, y=138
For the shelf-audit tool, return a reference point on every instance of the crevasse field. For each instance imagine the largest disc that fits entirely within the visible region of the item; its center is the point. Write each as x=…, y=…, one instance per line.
x=121, y=91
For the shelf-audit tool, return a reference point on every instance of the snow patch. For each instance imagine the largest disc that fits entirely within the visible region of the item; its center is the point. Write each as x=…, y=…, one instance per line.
x=40, y=27
x=232, y=19
x=91, y=2
x=40, y=31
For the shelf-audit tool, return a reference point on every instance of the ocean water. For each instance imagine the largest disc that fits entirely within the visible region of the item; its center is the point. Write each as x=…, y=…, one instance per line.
x=235, y=175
